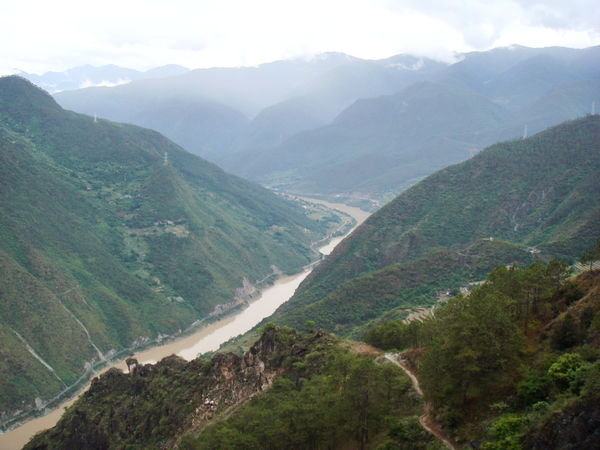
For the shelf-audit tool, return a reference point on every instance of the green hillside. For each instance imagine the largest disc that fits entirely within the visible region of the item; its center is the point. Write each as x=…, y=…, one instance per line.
x=512, y=365
x=105, y=247
x=540, y=192
x=311, y=392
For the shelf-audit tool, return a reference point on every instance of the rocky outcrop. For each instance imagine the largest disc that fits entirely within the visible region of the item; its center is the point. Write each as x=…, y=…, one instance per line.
x=155, y=404
x=233, y=380
x=576, y=426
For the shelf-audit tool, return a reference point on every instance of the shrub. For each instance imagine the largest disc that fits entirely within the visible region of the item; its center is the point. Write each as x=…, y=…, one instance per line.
x=565, y=370
x=533, y=388
x=507, y=432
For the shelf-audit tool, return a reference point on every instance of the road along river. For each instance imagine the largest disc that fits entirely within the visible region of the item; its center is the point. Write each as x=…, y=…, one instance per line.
x=206, y=339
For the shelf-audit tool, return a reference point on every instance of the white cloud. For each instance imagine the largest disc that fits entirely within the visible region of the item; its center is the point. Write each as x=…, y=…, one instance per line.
x=103, y=83
x=140, y=34
x=578, y=15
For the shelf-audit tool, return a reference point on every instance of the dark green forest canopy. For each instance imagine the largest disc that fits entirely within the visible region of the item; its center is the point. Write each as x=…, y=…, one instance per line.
x=518, y=355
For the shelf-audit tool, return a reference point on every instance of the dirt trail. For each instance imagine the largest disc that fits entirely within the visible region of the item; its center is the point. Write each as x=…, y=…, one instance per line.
x=426, y=420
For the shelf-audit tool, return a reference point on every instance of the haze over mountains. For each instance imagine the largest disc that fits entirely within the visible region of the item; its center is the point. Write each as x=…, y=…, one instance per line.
x=87, y=76
x=310, y=224
x=306, y=125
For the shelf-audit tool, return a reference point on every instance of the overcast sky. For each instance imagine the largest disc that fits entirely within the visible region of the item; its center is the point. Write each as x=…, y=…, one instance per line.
x=38, y=36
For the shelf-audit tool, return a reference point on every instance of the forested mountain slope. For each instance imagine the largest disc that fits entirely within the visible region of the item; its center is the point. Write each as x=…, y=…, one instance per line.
x=513, y=365
x=111, y=236
x=515, y=200
x=381, y=144
x=506, y=364
x=291, y=124
x=290, y=390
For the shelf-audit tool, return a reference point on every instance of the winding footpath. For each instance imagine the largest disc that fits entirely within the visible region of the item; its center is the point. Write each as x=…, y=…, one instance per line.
x=426, y=420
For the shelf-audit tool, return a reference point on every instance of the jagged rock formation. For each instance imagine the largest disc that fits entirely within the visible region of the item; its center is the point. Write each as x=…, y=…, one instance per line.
x=577, y=426
x=155, y=404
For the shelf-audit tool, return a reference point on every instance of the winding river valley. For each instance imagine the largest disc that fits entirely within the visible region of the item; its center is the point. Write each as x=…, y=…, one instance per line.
x=206, y=339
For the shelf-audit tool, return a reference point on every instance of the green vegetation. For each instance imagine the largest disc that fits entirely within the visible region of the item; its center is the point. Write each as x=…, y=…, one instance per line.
x=365, y=299
x=496, y=363
x=104, y=247
x=513, y=362
x=514, y=202
x=349, y=401
x=590, y=256
x=486, y=362
x=321, y=396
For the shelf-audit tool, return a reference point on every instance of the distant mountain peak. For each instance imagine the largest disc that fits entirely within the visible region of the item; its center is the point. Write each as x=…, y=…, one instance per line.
x=513, y=47
x=414, y=66
x=17, y=93
x=107, y=75
x=332, y=55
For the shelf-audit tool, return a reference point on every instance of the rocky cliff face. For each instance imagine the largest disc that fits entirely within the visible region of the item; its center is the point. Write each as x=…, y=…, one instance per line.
x=234, y=379
x=577, y=426
x=153, y=405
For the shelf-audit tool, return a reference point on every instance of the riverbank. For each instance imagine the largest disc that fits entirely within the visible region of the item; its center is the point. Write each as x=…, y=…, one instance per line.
x=357, y=214
x=208, y=338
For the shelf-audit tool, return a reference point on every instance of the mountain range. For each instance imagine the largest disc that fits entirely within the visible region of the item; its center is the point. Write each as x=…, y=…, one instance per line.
x=379, y=146
x=510, y=361
x=514, y=202
x=261, y=122
x=112, y=237
x=86, y=76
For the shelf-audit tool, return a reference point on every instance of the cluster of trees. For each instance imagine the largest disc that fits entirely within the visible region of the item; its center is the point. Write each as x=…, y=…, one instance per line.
x=518, y=294
x=326, y=396
x=350, y=402
x=508, y=349
x=591, y=255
